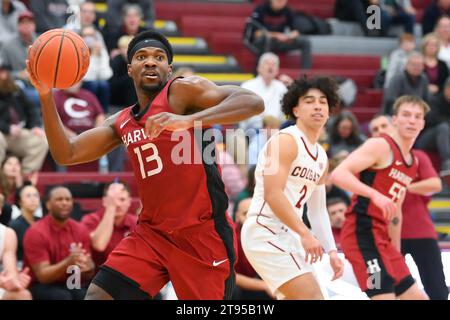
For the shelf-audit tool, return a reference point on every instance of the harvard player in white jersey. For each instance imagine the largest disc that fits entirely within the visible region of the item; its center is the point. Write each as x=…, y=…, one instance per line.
x=290, y=172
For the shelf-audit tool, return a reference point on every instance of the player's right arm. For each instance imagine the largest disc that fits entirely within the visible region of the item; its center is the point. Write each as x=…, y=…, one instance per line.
x=374, y=152
x=281, y=152
x=88, y=146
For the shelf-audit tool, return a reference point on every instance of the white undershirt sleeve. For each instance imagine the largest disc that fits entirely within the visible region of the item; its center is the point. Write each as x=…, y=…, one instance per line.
x=318, y=217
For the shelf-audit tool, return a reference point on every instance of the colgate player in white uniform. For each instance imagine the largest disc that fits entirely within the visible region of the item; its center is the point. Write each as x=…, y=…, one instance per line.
x=290, y=172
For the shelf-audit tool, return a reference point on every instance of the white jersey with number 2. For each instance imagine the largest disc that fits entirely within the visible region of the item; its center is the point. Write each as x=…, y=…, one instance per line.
x=304, y=175
x=272, y=248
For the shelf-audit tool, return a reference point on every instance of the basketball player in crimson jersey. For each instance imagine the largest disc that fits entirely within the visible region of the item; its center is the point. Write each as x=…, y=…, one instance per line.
x=183, y=233
x=290, y=172
x=378, y=174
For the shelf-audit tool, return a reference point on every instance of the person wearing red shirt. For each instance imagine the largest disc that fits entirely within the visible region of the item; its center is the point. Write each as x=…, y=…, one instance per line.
x=418, y=237
x=79, y=109
x=336, y=209
x=53, y=249
x=109, y=225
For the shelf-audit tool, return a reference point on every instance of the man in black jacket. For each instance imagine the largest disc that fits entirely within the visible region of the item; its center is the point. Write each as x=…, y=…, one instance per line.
x=20, y=132
x=356, y=10
x=278, y=20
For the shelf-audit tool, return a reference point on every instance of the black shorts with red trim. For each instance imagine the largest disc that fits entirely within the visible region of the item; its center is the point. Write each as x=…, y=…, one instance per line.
x=378, y=266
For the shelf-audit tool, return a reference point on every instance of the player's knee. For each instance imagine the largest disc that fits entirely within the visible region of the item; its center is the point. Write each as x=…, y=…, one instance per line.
x=18, y=295
x=313, y=295
x=94, y=292
x=25, y=295
x=304, y=293
x=421, y=295
x=414, y=293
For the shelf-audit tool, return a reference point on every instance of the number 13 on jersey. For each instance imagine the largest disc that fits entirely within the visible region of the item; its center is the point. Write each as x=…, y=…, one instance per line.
x=145, y=160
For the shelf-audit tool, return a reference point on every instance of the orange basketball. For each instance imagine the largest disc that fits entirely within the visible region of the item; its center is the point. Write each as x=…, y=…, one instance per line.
x=59, y=58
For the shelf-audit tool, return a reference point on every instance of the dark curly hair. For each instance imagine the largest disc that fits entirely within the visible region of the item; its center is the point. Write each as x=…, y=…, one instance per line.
x=151, y=34
x=300, y=87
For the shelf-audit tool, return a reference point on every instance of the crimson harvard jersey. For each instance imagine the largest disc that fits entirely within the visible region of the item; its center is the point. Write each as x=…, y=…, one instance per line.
x=177, y=187
x=390, y=181
x=365, y=236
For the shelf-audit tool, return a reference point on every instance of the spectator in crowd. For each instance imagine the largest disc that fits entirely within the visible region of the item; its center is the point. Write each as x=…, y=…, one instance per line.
x=87, y=17
x=50, y=14
x=432, y=13
x=412, y=81
x=380, y=123
x=13, y=283
x=15, y=54
x=332, y=190
x=436, y=134
x=247, y=192
x=268, y=87
x=248, y=284
x=56, y=247
x=20, y=131
x=9, y=15
x=5, y=210
x=109, y=225
x=435, y=69
x=96, y=78
x=336, y=209
x=270, y=127
x=443, y=33
x=276, y=18
x=12, y=178
x=344, y=133
x=399, y=12
x=121, y=85
x=356, y=10
x=132, y=24
x=231, y=174
x=115, y=8
x=28, y=201
x=418, y=235
x=80, y=110
x=398, y=57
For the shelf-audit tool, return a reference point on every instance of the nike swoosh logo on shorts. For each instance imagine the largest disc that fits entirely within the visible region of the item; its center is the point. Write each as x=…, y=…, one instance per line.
x=216, y=263
x=398, y=163
x=124, y=123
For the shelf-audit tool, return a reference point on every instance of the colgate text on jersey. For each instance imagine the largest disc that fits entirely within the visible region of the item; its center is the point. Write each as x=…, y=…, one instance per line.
x=305, y=173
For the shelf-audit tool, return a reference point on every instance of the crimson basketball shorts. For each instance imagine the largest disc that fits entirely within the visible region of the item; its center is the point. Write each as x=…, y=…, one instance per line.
x=378, y=266
x=199, y=261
